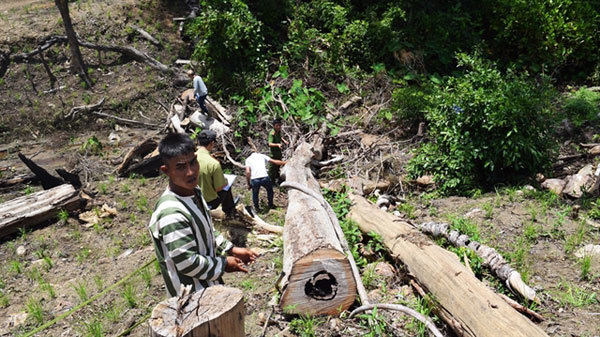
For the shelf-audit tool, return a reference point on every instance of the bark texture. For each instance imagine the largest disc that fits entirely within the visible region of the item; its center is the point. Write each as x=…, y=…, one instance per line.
x=36, y=208
x=466, y=304
x=317, y=275
x=217, y=311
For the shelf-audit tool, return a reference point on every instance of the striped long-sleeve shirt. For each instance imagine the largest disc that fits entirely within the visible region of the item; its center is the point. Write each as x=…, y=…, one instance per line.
x=187, y=246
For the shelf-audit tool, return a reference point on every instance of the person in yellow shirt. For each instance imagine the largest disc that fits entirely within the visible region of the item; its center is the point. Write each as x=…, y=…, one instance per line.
x=211, y=179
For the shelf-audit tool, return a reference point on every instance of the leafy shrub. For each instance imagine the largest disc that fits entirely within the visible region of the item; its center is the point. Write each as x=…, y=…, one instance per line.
x=229, y=43
x=409, y=103
x=485, y=127
x=582, y=106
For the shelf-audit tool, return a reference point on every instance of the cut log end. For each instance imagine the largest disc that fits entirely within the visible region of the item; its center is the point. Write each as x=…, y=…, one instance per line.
x=320, y=283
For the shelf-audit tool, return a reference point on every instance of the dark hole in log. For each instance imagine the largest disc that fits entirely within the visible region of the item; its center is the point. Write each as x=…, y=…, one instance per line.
x=321, y=286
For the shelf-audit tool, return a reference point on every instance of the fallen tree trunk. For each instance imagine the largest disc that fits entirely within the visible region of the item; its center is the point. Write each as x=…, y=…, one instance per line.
x=139, y=151
x=466, y=304
x=18, y=179
x=47, y=180
x=217, y=311
x=317, y=276
x=33, y=209
x=249, y=220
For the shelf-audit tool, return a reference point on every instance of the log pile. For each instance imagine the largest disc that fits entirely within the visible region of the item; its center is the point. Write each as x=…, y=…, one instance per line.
x=463, y=302
x=317, y=276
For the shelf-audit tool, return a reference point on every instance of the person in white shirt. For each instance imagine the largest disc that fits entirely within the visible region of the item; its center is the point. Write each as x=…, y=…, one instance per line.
x=200, y=91
x=257, y=176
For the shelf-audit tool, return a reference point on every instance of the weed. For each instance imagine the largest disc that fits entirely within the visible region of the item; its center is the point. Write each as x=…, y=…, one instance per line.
x=4, y=300
x=128, y=293
x=94, y=328
x=92, y=145
x=16, y=266
x=83, y=254
x=142, y=203
x=407, y=209
x=40, y=253
x=63, y=215
x=422, y=305
x=248, y=285
x=375, y=323
x=81, y=291
x=585, y=263
x=132, y=217
x=76, y=233
x=146, y=276
x=576, y=238
x=531, y=232
x=23, y=233
x=520, y=257
x=47, y=263
x=114, y=313
x=47, y=287
x=574, y=296
x=305, y=326
x=28, y=190
x=125, y=188
x=34, y=310
x=34, y=274
x=123, y=204
x=103, y=188
x=488, y=207
x=369, y=276
x=465, y=226
x=99, y=282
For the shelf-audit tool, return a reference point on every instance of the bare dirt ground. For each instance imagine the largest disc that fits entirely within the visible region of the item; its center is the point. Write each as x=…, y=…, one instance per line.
x=55, y=267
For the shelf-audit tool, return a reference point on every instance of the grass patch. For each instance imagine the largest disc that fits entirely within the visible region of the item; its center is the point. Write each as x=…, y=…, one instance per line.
x=571, y=295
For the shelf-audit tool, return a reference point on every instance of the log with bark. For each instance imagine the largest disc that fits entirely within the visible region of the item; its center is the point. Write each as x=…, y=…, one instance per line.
x=246, y=219
x=18, y=179
x=317, y=276
x=466, y=304
x=217, y=311
x=34, y=209
x=138, y=152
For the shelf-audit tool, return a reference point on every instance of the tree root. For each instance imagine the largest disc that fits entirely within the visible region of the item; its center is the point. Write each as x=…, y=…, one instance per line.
x=401, y=308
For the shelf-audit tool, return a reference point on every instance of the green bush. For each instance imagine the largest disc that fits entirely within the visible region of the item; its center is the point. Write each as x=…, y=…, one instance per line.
x=582, y=106
x=485, y=127
x=230, y=43
x=409, y=103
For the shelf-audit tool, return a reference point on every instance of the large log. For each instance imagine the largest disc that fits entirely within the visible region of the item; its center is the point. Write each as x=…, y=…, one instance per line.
x=466, y=304
x=217, y=311
x=317, y=276
x=37, y=207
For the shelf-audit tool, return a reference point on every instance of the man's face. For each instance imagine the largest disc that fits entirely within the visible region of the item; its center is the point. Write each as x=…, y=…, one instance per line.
x=277, y=127
x=183, y=173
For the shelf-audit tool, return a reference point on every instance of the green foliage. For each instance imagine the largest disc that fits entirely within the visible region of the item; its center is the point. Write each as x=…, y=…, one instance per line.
x=81, y=291
x=34, y=310
x=582, y=106
x=128, y=293
x=305, y=326
x=486, y=127
x=230, y=44
x=409, y=104
x=92, y=145
x=586, y=264
x=375, y=323
x=94, y=328
x=574, y=296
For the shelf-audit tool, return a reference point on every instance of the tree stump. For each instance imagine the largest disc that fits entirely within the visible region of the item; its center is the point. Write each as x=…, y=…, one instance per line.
x=217, y=311
x=317, y=276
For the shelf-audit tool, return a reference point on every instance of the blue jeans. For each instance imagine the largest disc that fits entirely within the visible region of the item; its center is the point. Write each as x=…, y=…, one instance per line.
x=256, y=184
x=200, y=100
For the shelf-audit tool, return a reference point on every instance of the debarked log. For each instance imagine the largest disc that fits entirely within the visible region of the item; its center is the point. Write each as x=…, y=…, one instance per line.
x=464, y=302
x=33, y=209
x=217, y=311
x=317, y=277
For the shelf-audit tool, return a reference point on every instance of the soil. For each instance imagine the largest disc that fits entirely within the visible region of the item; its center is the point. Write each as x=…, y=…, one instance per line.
x=54, y=267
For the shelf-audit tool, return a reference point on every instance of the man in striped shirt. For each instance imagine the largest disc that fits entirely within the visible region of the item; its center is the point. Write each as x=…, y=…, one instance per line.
x=188, y=249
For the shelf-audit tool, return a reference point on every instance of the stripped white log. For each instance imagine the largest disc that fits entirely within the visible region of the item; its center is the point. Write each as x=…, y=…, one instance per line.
x=491, y=258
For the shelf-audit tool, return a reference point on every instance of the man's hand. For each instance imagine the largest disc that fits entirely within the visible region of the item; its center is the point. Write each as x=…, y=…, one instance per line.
x=279, y=145
x=235, y=264
x=244, y=254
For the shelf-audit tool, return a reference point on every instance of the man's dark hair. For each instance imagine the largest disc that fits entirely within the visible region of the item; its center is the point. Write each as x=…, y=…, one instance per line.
x=206, y=136
x=175, y=144
x=277, y=121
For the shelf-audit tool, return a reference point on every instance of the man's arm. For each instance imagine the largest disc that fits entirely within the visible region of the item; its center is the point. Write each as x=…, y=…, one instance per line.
x=277, y=162
x=248, y=175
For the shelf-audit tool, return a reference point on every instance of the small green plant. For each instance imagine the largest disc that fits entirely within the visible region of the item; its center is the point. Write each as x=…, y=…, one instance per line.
x=146, y=276
x=585, y=263
x=47, y=263
x=81, y=291
x=142, y=203
x=125, y=188
x=575, y=239
x=4, y=300
x=92, y=145
x=63, y=215
x=519, y=257
x=369, y=277
x=571, y=295
x=28, y=190
x=582, y=107
x=34, y=310
x=488, y=207
x=103, y=188
x=47, y=287
x=128, y=293
x=531, y=232
x=465, y=226
x=248, y=285
x=83, y=254
x=422, y=305
x=16, y=266
x=94, y=328
x=99, y=282
x=305, y=326
x=114, y=313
